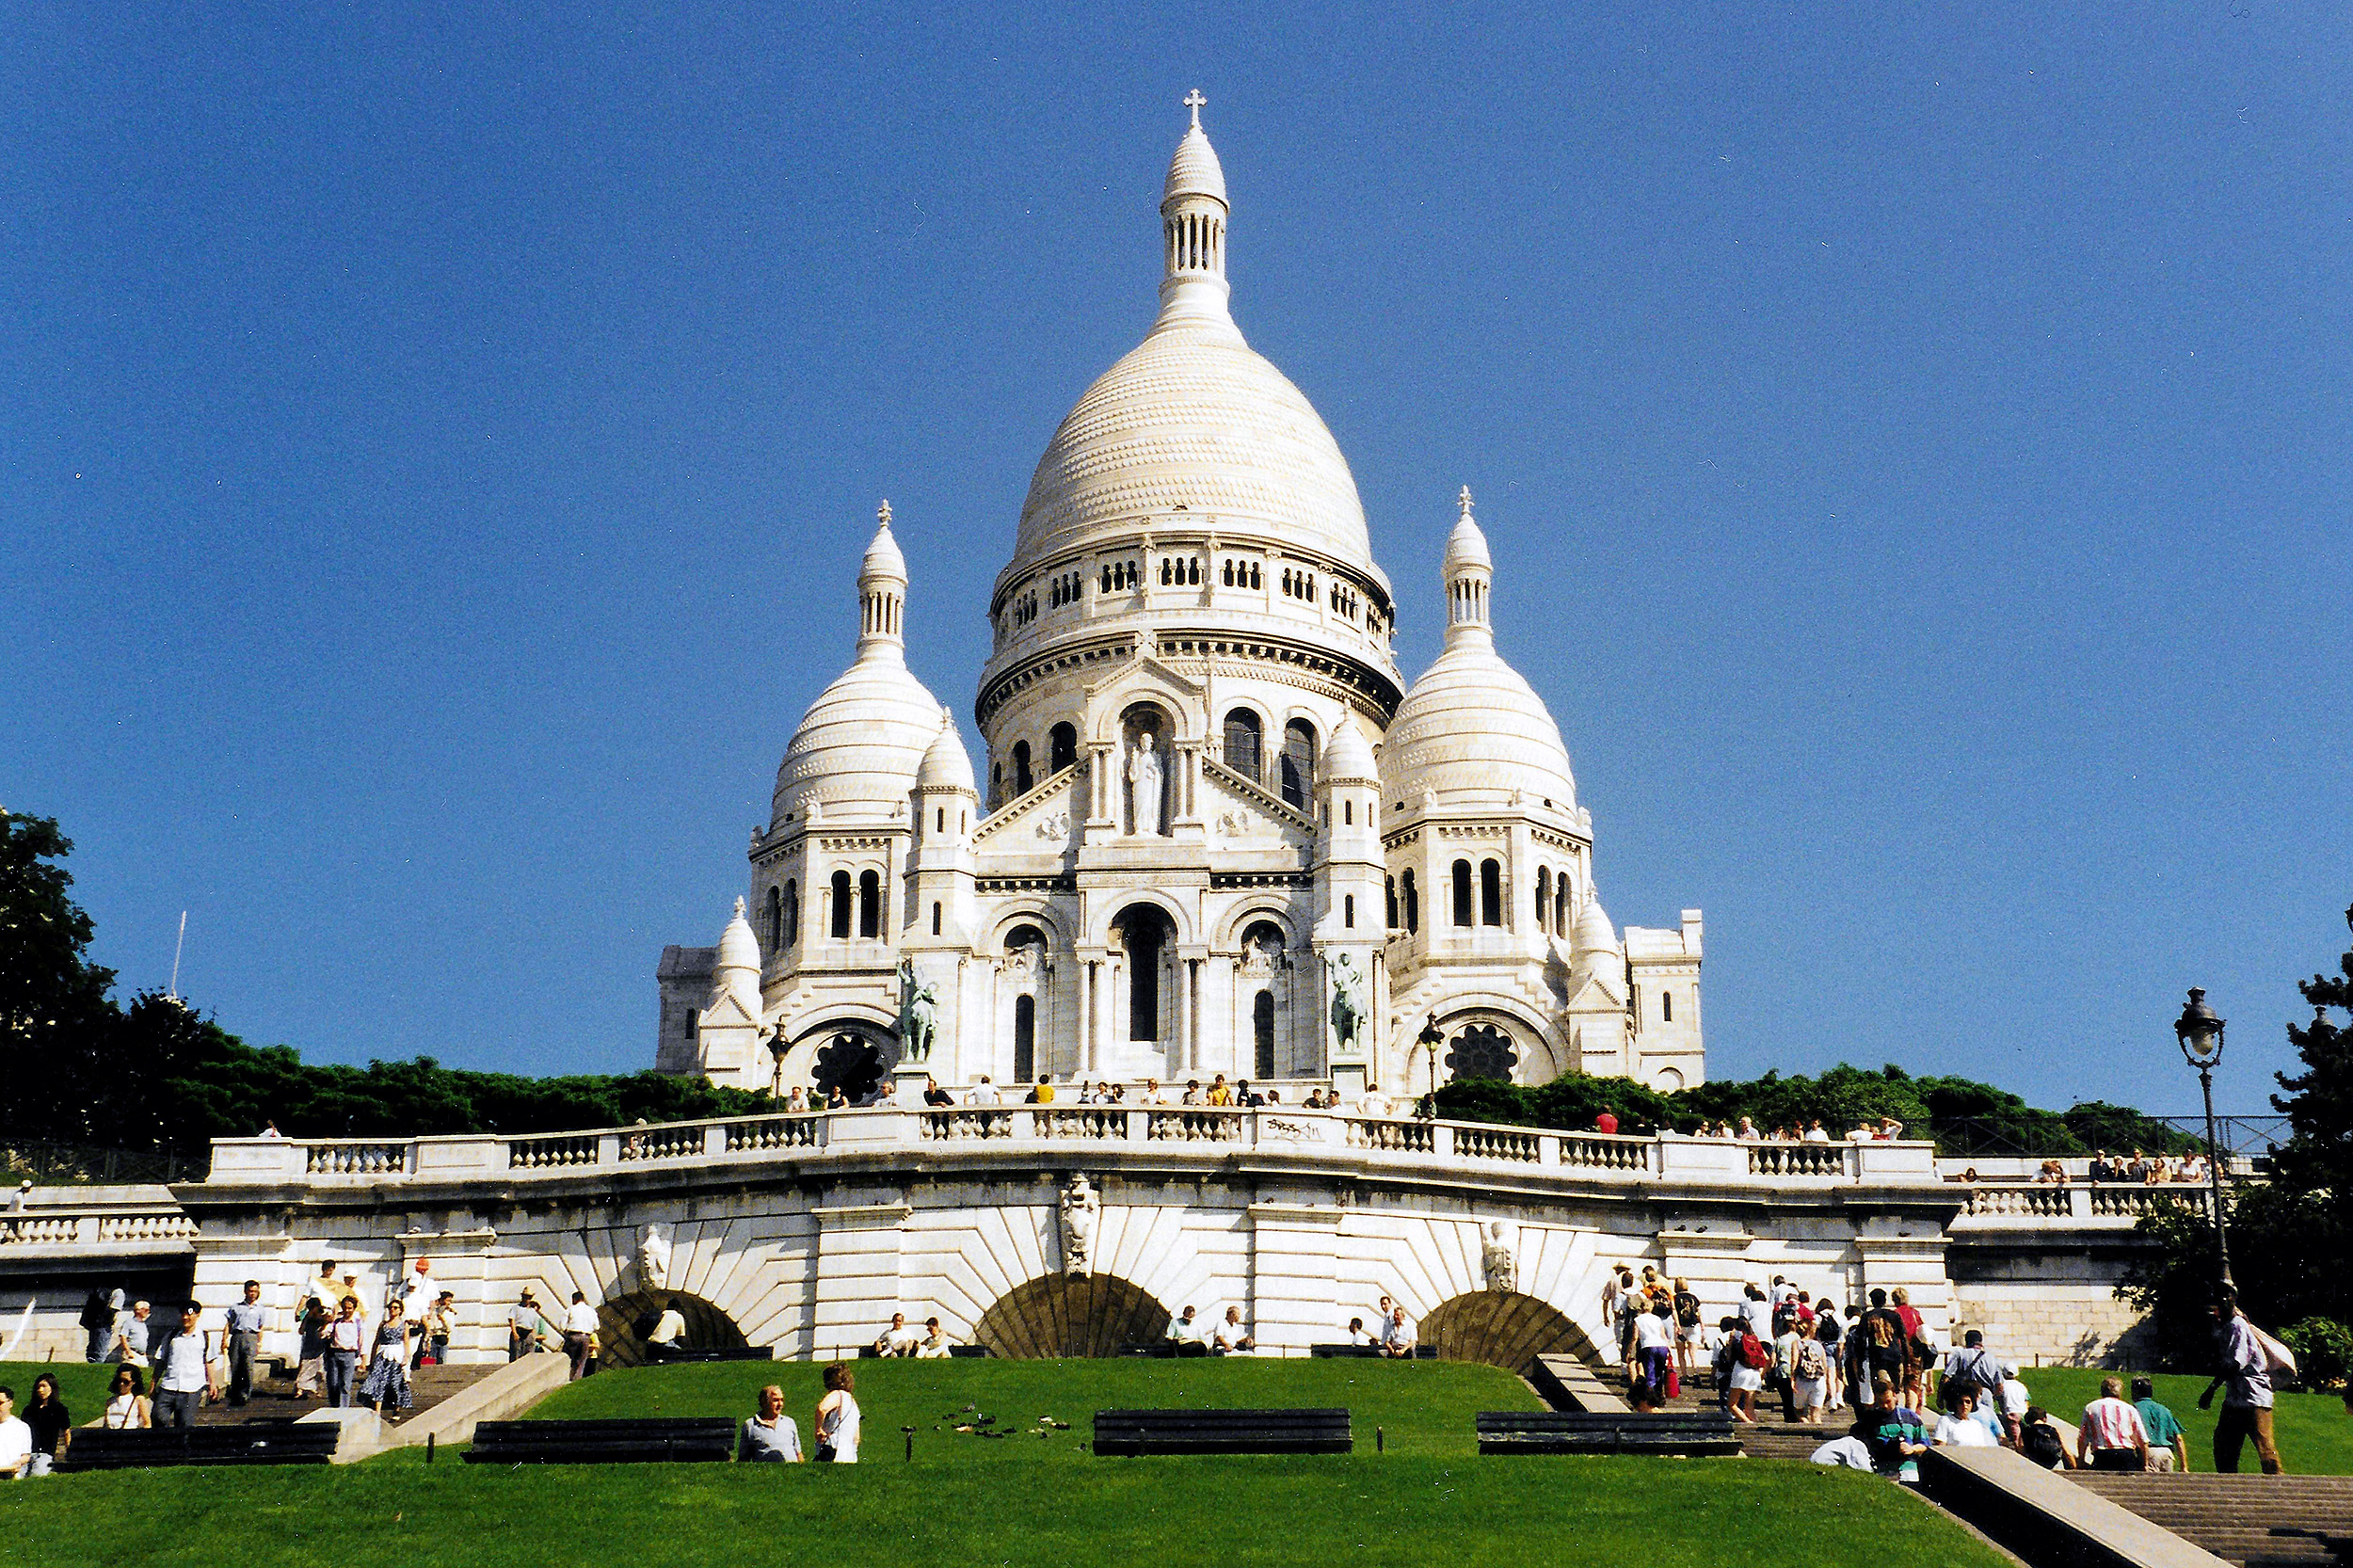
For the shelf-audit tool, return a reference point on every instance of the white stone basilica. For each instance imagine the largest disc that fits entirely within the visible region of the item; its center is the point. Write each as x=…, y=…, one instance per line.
x=1216, y=833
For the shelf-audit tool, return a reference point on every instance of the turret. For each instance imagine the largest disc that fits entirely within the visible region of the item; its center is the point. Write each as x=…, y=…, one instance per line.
x=1193, y=228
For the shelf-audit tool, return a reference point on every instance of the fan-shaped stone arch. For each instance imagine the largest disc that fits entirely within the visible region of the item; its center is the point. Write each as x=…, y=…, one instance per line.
x=617, y=1341
x=1065, y=1315
x=1502, y=1328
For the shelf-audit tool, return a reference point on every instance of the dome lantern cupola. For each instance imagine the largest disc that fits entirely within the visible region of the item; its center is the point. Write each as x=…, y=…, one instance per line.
x=1193, y=228
x=1469, y=572
x=882, y=594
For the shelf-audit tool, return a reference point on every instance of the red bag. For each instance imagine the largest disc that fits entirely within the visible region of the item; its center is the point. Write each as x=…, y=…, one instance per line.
x=1752, y=1353
x=1674, y=1383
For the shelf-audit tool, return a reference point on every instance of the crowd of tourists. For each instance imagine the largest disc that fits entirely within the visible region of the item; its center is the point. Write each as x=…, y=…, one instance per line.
x=2136, y=1169
x=1881, y=1129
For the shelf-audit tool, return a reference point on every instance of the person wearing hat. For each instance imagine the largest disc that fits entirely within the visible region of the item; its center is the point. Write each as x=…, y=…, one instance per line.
x=523, y=1327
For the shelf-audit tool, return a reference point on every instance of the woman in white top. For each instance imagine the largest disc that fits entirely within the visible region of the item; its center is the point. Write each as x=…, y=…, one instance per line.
x=1959, y=1428
x=837, y=1417
x=128, y=1407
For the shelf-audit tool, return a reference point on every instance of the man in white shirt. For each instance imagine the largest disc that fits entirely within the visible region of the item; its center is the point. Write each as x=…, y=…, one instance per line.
x=1190, y=1334
x=1230, y=1335
x=668, y=1329
x=178, y=1359
x=935, y=1344
x=1397, y=1340
x=2113, y=1436
x=898, y=1339
x=16, y=1439
x=242, y=1337
x=984, y=1093
x=579, y=1323
x=346, y=1337
x=524, y=1326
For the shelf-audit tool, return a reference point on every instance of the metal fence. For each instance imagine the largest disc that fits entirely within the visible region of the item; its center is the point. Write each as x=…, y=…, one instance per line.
x=84, y=1165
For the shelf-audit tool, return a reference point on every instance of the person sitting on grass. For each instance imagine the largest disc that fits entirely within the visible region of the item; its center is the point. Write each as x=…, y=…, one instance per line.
x=1189, y=1333
x=2113, y=1436
x=898, y=1339
x=126, y=1406
x=1894, y=1434
x=1397, y=1340
x=16, y=1439
x=1359, y=1334
x=2169, y=1448
x=770, y=1437
x=935, y=1344
x=1231, y=1337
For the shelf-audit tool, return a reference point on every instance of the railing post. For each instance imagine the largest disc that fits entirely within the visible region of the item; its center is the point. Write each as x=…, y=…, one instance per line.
x=608, y=1149
x=1441, y=1141
x=1548, y=1149
x=2080, y=1203
x=716, y=1139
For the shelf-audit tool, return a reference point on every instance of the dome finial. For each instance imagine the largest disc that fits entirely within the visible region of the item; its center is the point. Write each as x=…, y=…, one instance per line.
x=1193, y=101
x=1464, y=498
x=882, y=513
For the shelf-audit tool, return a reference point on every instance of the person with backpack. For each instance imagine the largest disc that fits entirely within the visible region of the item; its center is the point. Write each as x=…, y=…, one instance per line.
x=1749, y=1359
x=1973, y=1368
x=1686, y=1306
x=1886, y=1344
x=2041, y=1442
x=2245, y=1372
x=1809, y=1375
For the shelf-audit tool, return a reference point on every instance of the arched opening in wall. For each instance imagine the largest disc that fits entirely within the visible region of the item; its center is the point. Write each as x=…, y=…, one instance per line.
x=1490, y=893
x=1144, y=761
x=619, y=1321
x=1483, y=1050
x=1544, y=898
x=1462, y=892
x=1501, y=1328
x=1024, y=1038
x=869, y=904
x=1299, y=762
x=791, y=911
x=840, y=914
x=1146, y=936
x=1262, y=1035
x=995, y=784
x=1389, y=891
x=775, y=917
x=1061, y=1315
x=854, y=1059
x=1670, y=1081
x=1413, y=905
x=1061, y=747
x=1560, y=904
x=1020, y=767
x=1244, y=742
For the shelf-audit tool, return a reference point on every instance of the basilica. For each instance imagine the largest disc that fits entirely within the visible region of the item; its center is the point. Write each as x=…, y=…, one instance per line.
x=1213, y=830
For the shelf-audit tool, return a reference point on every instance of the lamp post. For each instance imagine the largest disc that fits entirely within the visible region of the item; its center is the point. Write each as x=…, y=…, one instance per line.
x=778, y=1048
x=2200, y=1036
x=1431, y=1037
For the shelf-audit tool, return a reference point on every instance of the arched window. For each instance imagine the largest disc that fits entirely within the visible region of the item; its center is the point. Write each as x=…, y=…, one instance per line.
x=869, y=904
x=791, y=911
x=1560, y=904
x=1299, y=762
x=1389, y=892
x=1061, y=747
x=1242, y=738
x=1348, y=813
x=934, y=919
x=1666, y=1007
x=1262, y=1035
x=840, y=906
x=1462, y=892
x=1544, y=898
x=995, y=784
x=1145, y=933
x=1413, y=903
x=1348, y=911
x=1490, y=893
x=1020, y=767
x=1024, y=1038
x=776, y=919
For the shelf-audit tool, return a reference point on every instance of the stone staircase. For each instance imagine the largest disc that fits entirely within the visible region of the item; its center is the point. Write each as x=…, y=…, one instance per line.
x=2251, y=1520
x=274, y=1398
x=1770, y=1438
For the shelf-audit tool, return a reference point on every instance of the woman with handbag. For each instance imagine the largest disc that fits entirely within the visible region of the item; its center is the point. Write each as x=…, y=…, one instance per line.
x=837, y=1422
x=388, y=1375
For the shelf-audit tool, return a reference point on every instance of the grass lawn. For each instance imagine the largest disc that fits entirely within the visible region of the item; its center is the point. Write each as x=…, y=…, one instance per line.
x=2314, y=1434
x=81, y=1385
x=1021, y=1499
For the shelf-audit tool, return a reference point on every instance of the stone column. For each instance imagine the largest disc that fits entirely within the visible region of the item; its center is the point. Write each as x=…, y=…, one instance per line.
x=858, y=1285
x=1184, y=1011
x=1085, y=1043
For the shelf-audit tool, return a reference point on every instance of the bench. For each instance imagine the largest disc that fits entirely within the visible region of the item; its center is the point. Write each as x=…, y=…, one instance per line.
x=1128, y=1432
x=256, y=1442
x=1698, y=1434
x=681, y=1356
x=1369, y=1352
x=666, y=1441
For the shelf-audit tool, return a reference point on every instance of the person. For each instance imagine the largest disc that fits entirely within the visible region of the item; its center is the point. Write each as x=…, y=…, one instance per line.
x=935, y=1344
x=1885, y=1343
x=2246, y=1373
x=1189, y=1333
x=346, y=1337
x=1043, y=1094
x=1959, y=1427
x=669, y=1329
x=835, y=1426
x=1397, y=1339
x=525, y=1328
x=580, y=1326
x=1220, y=1093
x=898, y=1339
x=1833, y=1336
x=416, y=1290
x=1687, y=1308
x=1809, y=1376
x=2112, y=1435
x=984, y=1093
x=98, y=1323
x=1359, y=1334
x=1244, y=1094
x=797, y=1101
x=1748, y=1360
x=180, y=1378
x=937, y=1098
x=2040, y=1441
x=1152, y=1095
x=2168, y=1446
x=1192, y=1093
x=440, y=1322
x=1783, y=1376
x=310, y=1349
x=16, y=1438
x=1231, y=1335
x=126, y=1406
x=1919, y=1352
x=1757, y=1312
x=1606, y=1123
x=388, y=1374
x=52, y=1427
x=1816, y=1132
x=1893, y=1433
x=2010, y=1404
x=242, y=1331
x=1746, y=1133
x=137, y=1332
x=1654, y=1349
x=771, y=1437
x=1974, y=1366
x=23, y=1195
x=325, y=1289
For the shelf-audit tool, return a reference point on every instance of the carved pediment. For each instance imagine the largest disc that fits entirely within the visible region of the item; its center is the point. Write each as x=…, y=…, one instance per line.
x=1239, y=812
x=1045, y=820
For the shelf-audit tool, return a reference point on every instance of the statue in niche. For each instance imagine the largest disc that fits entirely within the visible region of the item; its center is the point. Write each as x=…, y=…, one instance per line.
x=653, y=1261
x=1079, y=1208
x=918, y=1015
x=1262, y=952
x=1348, y=1004
x=1497, y=1256
x=1021, y=962
x=1146, y=786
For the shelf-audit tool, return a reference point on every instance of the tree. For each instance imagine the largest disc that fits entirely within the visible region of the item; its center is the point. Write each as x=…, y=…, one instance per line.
x=57, y=1023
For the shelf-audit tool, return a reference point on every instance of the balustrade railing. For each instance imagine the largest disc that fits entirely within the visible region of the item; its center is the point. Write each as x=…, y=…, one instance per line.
x=1394, y=1137
x=145, y=1227
x=1798, y=1159
x=38, y=1229
x=773, y=1132
x=1083, y=1121
x=666, y=1142
x=1496, y=1143
x=94, y=1227
x=356, y=1159
x=1195, y=1126
x=1599, y=1153
x=539, y=1154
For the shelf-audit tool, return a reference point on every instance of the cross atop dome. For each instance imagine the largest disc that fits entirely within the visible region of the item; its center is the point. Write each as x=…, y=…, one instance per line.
x=1464, y=498
x=882, y=513
x=1193, y=101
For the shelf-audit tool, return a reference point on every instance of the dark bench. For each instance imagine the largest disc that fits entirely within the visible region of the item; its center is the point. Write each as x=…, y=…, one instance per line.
x=256, y=1442
x=707, y=1439
x=1130, y=1432
x=663, y=1355
x=1369, y=1352
x=868, y=1353
x=1570, y=1432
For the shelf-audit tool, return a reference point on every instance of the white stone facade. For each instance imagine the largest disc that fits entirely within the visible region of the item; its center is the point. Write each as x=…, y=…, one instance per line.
x=1213, y=827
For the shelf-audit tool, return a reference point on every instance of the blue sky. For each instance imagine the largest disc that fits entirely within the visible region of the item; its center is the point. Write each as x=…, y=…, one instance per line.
x=435, y=445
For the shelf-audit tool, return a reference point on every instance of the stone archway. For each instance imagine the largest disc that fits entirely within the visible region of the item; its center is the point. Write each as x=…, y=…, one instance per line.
x=1502, y=1328
x=619, y=1345
x=1065, y=1315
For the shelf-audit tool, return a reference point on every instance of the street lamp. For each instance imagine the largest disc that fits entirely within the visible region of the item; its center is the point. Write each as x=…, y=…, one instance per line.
x=1431, y=1037
x=2200, y=1036
x=778, y=1046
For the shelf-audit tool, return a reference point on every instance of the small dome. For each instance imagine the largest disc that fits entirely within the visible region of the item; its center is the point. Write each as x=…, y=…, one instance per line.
x=1194, y=171
x=860, y=742
x=946, y=765
x=883, y=561
x=738, y=948
x=1348, y=757
x=1472, y=728
x=1594, y=950
x=1467, y=547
